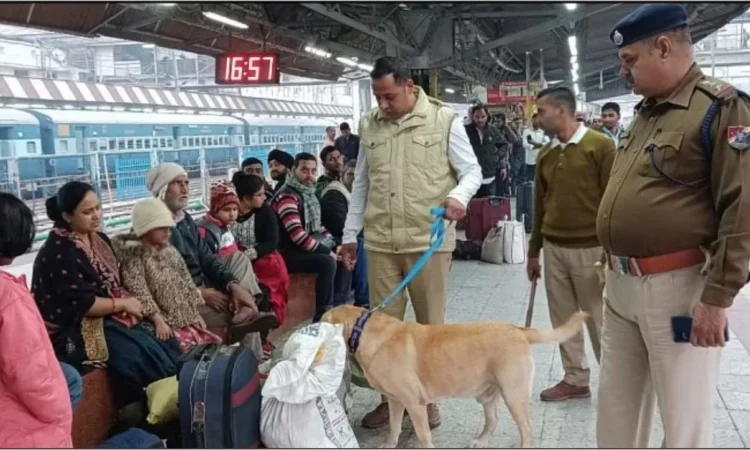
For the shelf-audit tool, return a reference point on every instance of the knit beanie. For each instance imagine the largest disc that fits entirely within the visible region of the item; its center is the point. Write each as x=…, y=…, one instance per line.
x=282, y=157
x=160, y=176
x=222, y=194
x=150, y=214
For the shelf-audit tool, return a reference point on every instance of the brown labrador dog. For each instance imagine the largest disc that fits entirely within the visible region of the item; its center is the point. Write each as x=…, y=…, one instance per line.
x=413, y=365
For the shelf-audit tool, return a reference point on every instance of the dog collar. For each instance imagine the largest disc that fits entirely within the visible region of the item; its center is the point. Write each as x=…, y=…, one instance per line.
x=359, y=327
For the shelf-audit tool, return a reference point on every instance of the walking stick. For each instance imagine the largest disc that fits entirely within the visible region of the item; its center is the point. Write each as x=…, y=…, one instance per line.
x=530, y=310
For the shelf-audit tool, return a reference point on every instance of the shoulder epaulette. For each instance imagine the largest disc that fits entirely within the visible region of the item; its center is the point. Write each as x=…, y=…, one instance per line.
x=717, y=89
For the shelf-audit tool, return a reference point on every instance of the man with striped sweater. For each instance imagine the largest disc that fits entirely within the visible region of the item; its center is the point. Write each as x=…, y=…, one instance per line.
x=305, y=245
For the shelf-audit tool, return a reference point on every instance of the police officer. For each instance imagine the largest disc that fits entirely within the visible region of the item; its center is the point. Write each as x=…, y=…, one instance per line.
x=675, y=226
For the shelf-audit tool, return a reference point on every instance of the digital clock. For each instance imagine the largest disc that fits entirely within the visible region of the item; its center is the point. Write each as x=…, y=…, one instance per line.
x=247, y=68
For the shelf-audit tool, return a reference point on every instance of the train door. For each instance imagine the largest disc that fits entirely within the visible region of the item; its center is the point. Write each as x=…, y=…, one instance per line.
x=177, y=146
x=80, y=136
x=6, y=149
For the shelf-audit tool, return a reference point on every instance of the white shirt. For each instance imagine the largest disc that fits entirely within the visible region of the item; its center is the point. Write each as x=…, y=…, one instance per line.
x=575, y=139
x=536, y=136
x=462, y=159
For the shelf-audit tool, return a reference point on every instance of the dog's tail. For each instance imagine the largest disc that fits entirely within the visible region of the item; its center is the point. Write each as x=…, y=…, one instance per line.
x=559, y=334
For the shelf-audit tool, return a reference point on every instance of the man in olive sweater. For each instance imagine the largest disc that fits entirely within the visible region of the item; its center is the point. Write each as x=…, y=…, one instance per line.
x=572, y=172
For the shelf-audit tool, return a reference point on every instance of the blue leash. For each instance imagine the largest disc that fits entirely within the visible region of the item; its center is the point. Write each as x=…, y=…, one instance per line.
x=437, y=236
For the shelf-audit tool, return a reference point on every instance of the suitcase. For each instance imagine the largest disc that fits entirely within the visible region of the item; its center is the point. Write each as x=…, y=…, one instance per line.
x=483, y=214
x=133, y=438
x=525, y=205
x=220, y=398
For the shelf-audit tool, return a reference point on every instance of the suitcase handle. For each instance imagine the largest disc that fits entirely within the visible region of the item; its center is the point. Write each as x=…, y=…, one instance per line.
x=495, y=200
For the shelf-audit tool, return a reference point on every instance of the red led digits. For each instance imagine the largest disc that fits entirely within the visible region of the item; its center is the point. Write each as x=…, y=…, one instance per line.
x=247, y=68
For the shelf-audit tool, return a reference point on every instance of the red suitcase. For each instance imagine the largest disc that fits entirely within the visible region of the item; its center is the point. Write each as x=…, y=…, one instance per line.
x=484, y=213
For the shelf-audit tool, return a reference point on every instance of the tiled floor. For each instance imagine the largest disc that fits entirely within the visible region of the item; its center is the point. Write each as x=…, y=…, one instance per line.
x=480, y=291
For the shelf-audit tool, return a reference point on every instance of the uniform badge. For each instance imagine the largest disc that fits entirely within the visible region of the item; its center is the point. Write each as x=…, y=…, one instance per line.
x=738, y=137
x=617, y=38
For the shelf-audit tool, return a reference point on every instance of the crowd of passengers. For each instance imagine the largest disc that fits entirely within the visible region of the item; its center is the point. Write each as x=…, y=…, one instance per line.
x=133, y=303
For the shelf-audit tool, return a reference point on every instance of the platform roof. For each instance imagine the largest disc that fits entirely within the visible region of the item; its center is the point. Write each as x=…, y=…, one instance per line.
x=489, y=39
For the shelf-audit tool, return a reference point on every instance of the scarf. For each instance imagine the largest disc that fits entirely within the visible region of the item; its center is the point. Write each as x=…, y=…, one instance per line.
x=310, y=204
x=103, y=260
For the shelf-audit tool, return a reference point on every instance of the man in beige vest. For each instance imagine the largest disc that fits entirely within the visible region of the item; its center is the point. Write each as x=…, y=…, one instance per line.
x=414, y=155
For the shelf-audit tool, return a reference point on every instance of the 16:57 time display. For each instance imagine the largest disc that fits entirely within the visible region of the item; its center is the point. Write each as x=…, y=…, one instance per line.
x=247, y=68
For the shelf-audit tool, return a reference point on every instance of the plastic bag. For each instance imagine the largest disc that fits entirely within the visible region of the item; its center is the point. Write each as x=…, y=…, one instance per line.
x=514, y=242
x=301, y=407
x=492, y=247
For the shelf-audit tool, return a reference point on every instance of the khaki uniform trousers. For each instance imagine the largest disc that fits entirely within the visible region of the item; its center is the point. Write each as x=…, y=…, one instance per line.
x=640, y=359
x=426, y=291
x=573, y=285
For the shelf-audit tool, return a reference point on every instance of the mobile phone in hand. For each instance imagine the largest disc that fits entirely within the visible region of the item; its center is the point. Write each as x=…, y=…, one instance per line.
x=681, y=326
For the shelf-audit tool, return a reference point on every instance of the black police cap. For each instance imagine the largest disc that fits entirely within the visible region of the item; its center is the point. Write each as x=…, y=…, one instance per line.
x=646, y=21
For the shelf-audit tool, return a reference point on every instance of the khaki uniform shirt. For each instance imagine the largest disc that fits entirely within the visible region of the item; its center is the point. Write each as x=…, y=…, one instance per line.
x=644, y=213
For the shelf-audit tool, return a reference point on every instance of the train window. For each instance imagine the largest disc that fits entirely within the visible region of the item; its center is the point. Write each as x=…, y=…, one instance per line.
x=147, y=143
x=192, y=142
x=130, y=143
x=5, y=150
x=121, y=144
x=112, y=144
x=63, y=143
x=216, y=141
x=139, y=143
x=204, y=141
x=240, y=140
x=102, y=145
x=92, y=145
x=168, y=142
x=30, y=147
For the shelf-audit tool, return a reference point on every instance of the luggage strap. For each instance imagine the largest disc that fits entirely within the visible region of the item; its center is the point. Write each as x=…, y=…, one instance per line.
x=437, y=236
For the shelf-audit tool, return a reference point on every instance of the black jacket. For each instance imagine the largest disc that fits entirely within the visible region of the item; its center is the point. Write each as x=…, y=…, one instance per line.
x=266, y=229
x=348, y=147
x=491, y=151
x=333, y=211
x=204, y=267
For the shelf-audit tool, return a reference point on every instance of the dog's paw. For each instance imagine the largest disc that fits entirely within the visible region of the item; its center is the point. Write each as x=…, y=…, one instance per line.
x=476, y=443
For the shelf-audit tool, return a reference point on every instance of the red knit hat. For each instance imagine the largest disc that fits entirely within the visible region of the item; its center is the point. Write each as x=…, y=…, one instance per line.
x=223, y=194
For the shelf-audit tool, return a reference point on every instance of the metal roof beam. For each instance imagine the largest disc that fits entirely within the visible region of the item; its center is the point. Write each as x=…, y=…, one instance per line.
x=357, y=25
x=502, y=15
x=534, y=31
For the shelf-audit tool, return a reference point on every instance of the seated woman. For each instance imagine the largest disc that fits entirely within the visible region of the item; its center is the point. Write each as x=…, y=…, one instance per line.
x=257, y=233
x=154, y=271
x=35, y=407
x=91, y=318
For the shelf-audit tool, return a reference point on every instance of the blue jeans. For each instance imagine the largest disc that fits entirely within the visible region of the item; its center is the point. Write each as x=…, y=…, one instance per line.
x=75, y=383
x=359, y=277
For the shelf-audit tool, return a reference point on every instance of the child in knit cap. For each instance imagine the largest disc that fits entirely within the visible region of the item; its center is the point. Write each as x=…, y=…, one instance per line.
x=155, y=273
x=214, y=229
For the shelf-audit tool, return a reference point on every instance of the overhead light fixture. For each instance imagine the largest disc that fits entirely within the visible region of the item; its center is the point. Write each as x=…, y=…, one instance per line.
x=574, y=66
x=148, y=46
x=166, y=4
x=573, y=60
x=365, y=67
x=571, y=6
x=573, y=45
x=317, y=52
x=346, y=61
x=225, y=20
x=450, y=91
x=575, y=77
x=576, y=89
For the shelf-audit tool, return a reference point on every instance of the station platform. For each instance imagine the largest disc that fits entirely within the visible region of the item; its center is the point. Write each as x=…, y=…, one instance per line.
x=480, y=292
